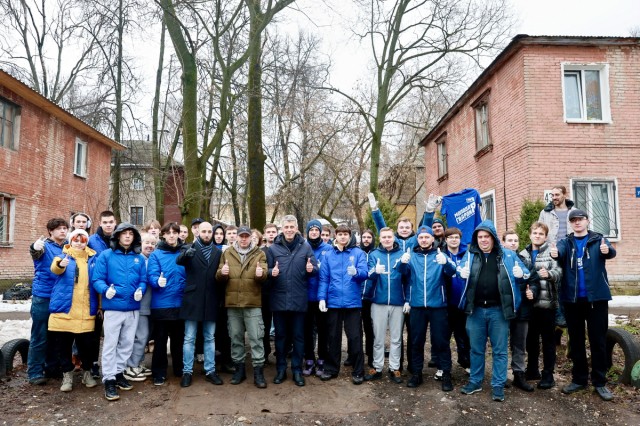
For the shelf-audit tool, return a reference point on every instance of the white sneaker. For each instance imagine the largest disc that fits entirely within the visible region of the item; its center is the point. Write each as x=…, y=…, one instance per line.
x=88, y=380
x=67, y=382
x=438, y=375
x=134, y=374
x=467, y=370
x=144, y=370
x=200, y=358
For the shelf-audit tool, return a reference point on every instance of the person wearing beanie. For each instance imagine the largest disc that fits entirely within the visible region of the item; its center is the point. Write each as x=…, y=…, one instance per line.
x=314, y=319
x=438, y=229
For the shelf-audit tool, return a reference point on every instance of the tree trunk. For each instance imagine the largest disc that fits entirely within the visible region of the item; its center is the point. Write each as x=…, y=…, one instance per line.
x=158, y=171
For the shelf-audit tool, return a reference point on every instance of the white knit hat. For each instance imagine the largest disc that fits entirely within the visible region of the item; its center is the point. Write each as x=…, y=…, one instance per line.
x=76, y=232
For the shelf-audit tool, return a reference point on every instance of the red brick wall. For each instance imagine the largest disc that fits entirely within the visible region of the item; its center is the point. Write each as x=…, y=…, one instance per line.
x=40, y=177
x=539, y=150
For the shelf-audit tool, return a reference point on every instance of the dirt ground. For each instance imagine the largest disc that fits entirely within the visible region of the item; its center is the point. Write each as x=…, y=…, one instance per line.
x=337, y=402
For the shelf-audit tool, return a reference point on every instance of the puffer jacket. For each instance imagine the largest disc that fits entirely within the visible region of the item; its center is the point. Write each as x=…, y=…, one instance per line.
x=43, y=278
x=243, y=289
x=426, y=278
x=98, y=242
x=507, y=285
x=549, y=217
x=74, y=302
x=124, y=268
x=593, y=263
x=289, y=290
x=385, y=289
x=547, y=287
x=337, y=288
x=163, y=261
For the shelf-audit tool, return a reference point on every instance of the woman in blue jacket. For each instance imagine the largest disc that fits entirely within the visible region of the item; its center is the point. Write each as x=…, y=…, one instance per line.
x=167, y=280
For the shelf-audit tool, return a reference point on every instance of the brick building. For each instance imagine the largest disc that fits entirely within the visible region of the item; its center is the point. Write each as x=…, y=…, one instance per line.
x=52, y=164
x=550, y=111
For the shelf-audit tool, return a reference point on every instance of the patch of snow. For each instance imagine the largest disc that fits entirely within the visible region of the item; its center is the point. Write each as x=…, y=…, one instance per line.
x=14, y=329
x=625, y=302
x=15, y=305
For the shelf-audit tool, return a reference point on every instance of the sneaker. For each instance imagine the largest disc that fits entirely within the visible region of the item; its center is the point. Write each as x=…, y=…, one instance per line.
x=357, y=380
x=67, y=382
x=447, y=385
x=438, y=375
x=200, y=358
x=572, y=388
x=144, y=370
x=123, y=383
x=373, y=375
x=134, y=374
x=319, y=367
x=328, y=376
x=415, y=381
x=39, y=381
x=604, y=393
x=471, y=388
x=497, y=394
x=88, y=380
x=110, y=390
x=185, y=382
x=468, y=371
x=213, y=378
x=395, y=376
x=158, y=381
x=95, y=371
x=308, y=368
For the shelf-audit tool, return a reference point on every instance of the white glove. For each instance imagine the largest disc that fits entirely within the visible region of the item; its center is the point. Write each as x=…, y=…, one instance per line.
x=162, y=281
x=406, y=257
x=372, y=201
x=137, y=296
x=517, y=271
x=441, y=258
x=380, y=268
x=111, y=291
x=322, y=305
x=38, y=245
x=432, y=202
x=351, y=270
x=406, y=308
x=464, y=272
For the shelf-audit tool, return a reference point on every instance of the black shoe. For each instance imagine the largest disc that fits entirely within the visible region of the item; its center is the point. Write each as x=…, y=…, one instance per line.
x=520, y=382
x=95, y=370
x=213, y=378
x=110, y=390
x=604, y=393
x=447, y=385
x=240, y=375
x=357, y=380
x=532, y=374
x=415, y=381
x=432, y=364
x=228, y=368
x=547, y=381
x=258, y=377
x=298, y=379
x=40, y=381
x=347, y=363
x=572, y=388
x=185, y=382
x=395, y=376
x=158, y=381
x=281, y=376
x=123, y=383
x=373, y=374
x=328, y=376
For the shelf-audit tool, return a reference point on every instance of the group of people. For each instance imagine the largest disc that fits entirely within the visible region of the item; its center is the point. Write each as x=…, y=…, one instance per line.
x=231, y=284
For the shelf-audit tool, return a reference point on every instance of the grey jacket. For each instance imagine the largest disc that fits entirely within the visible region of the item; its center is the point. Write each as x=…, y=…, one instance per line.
x=549, y=217
x=548, y=288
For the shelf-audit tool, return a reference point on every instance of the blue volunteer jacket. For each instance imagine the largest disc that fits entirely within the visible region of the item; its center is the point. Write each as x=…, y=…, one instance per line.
x=163, y=260
x=62, y=294
x=427, y=286
x=386, y=289
x=127, y=271
x=43, y=278
x=337, y=288
x=313, y=280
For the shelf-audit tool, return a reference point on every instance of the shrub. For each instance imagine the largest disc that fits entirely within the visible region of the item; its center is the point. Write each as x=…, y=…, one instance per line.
x=529, y=213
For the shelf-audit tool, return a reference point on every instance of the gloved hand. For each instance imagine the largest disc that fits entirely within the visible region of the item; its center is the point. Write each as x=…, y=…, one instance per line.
x=441, y=258
x=137, y=296
x=464, y=272
x=406, y=308
x=322, y=305
x=111, y=291
x=517, y=271
x=38, y=245
x=351, y=270
x=191, y=251
x=64, y=262
x=372, y=201
x=380, y=268
x=432, y=203
x=406, y=256
x=162, y=281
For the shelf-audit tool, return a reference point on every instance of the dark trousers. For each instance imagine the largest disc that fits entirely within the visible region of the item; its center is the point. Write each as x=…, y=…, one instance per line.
x=367, y=327
x=222, y=339
x=315, y=322
x=541, y=327
x=163, y=330
x=62, y=342
x=289, y=327
x=420, y=319
x=351, y=320
x=596, y=317
x=407, y=325
x=96, y=337
x=458, y=327
x=266, y=320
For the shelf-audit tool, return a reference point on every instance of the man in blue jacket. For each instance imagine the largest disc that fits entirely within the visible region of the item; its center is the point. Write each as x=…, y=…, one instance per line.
x=491, y=299
x=342, y=274
x=585, y=294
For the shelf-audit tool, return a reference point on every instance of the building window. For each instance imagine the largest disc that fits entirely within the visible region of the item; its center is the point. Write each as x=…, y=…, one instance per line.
x=482, y=123
x=7, y=213
x=136, y=215
x=489, y=206
x=442, y=157
x=137, y=181
x=9, y=124
x=586, y=93
x=80, y=164
x=599, y=199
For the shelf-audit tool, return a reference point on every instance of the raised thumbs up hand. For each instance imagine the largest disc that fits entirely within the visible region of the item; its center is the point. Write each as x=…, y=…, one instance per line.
x=259, y=270
x=225, y=268
x=372, y=201
x=38, y=245
x=529, y=293
x=162, y=281
x=432, y=202
x=543, y=273
x=517, y=271
x=406, y=256
x=64, y=262
x=604, y=248
x=441, y=258
x=275, y=271
x=553, y=250
x=380, y=269
x=309, y=265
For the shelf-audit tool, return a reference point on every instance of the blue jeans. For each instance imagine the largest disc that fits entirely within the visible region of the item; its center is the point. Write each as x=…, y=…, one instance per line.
x=38, y=343
x=488, y=323
x=188, y=347
x=289, y=327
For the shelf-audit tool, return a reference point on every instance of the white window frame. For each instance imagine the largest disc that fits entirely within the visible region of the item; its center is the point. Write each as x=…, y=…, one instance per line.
x=605, y=100
x=491, y=193
x=131, y=220
x=82, y=170
x=135, y=178
x=10, y=215
x=613, y=196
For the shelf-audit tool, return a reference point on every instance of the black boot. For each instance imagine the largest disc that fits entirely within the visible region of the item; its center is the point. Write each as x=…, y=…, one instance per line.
x=258, y=377
x=415, y=381
x=447, y=386
x=240, y=375
x=547, y=381
x=519, y=381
